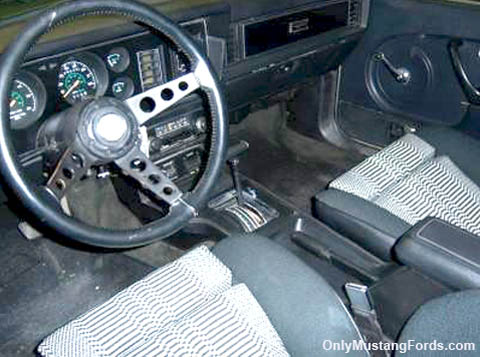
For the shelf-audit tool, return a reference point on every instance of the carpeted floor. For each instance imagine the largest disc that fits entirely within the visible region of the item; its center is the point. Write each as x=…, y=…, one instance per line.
x=44, y=284
x=293, y=166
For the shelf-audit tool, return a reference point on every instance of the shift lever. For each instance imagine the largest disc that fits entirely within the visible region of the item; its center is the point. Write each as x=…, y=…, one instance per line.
x=237, y=184
x=233, y=161
x=244, y=205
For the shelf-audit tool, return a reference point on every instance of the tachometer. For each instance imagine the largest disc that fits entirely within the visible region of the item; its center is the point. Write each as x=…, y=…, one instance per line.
x=27, y=100
x=82, y=77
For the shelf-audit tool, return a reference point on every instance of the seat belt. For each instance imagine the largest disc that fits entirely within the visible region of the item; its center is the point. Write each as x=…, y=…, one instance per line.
x=364, y=314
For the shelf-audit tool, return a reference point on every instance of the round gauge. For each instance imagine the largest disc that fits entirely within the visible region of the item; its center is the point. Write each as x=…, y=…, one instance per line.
x=123, y=88
x=84, y=76
x=118, y=59
x=27, y=100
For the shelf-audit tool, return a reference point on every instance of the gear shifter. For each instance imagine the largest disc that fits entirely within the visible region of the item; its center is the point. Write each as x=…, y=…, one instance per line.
x=233, y=160
x=237, y=184
x=242, y=203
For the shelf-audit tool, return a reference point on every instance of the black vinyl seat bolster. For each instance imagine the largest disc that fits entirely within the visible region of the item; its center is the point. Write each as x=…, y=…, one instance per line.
x=301, y=305
x=372, y=227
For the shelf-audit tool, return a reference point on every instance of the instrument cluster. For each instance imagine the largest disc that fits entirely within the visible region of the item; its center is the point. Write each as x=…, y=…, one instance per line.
x=77, y=77
x=120, y=68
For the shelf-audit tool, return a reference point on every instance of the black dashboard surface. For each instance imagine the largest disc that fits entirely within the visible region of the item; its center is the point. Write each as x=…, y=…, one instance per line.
x=218, y=26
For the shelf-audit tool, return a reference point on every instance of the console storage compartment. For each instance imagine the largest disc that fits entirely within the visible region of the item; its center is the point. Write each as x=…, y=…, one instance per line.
x=443, y=252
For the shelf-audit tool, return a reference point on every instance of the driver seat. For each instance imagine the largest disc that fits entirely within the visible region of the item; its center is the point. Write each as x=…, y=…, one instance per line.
x=299, y=311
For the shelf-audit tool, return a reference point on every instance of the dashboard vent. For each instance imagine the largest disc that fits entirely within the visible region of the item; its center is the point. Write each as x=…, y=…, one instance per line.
x=355, y=13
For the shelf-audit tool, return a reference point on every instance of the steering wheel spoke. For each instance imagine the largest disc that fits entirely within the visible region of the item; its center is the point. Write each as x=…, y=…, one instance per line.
x=136, y=165
x=152, y=102
x=69, y=170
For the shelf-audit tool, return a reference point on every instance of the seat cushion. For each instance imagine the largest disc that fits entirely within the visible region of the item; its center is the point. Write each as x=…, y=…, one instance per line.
x=437, y=189
x=189, y=306
x=302, y=307
x=230, y=324
x=407, y=181
x=378, y=172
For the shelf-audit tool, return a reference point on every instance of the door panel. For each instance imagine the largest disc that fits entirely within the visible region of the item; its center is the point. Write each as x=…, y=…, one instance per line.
x=401, y=75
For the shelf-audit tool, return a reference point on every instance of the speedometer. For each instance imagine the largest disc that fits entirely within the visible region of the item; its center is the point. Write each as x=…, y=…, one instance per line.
x=81, y=77
x=27, y=100
x=76, y=81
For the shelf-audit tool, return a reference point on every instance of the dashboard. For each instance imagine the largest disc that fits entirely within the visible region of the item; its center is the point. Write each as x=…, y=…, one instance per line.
x=258, y=49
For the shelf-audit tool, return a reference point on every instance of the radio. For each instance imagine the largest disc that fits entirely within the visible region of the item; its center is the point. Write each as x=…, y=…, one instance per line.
x=177, y=144
x=177, y=132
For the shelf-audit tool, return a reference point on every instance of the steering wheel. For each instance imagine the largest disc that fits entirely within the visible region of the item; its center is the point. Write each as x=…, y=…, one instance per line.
x=105, y=130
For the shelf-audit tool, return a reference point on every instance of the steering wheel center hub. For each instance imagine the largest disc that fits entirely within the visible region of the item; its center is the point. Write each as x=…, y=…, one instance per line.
x=107, y=129
x=111, y=127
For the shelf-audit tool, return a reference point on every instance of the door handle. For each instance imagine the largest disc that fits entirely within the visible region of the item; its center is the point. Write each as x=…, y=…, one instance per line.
x=472, y=93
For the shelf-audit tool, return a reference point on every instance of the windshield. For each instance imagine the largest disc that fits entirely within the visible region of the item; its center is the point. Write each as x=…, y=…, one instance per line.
x=13, y=8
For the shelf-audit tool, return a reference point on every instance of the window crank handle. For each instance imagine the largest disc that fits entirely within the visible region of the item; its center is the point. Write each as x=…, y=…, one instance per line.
x=402, y=75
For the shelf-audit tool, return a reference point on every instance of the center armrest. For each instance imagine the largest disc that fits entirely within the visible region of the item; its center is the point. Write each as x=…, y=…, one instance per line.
x=443, y=252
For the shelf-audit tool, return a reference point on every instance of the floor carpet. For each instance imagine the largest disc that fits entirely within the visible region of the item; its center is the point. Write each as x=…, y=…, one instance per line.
x=293, y=166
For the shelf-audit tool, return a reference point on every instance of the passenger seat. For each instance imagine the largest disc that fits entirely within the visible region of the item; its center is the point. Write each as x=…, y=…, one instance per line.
x=432, y=174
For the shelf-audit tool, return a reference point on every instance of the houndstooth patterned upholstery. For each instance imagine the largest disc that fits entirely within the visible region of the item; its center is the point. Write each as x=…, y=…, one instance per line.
x=408, y=181
x=178, y=296
x=437, y=189
x=387, y=167
x=232, y=324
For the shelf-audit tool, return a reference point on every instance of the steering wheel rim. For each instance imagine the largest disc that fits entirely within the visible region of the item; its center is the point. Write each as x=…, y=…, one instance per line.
x=32, y=198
